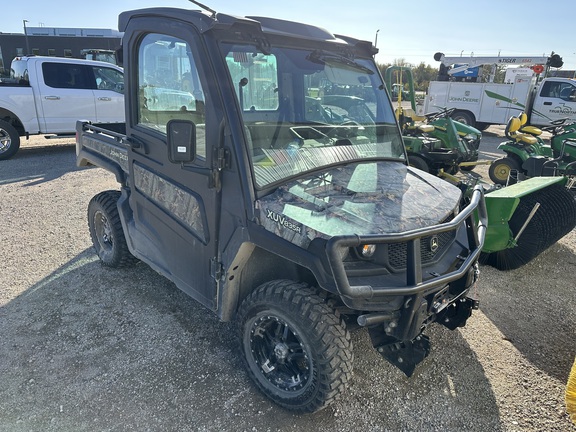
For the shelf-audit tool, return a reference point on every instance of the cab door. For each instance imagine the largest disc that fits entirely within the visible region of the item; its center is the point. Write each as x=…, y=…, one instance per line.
x=555, y=100
x=174, y=205
x=66, y=95
x=108, y=94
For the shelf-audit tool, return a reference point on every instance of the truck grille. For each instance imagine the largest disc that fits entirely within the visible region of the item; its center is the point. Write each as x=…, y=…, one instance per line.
x=430, y=248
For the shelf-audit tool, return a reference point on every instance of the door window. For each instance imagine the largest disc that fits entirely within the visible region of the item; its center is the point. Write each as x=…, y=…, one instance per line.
x=66, y=75
x=556, y=89
x=254, y=77
x=169, y=86
x=108, y=79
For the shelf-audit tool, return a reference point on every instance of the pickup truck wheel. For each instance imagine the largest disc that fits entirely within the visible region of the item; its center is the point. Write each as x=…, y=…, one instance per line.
x=464, y=117
x=9, y=140
x=500, y=169
x=295, y=347
x=106, y=231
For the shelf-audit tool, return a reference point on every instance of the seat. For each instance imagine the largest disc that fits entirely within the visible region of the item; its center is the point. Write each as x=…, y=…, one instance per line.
x=532, y=130
x=512, y=132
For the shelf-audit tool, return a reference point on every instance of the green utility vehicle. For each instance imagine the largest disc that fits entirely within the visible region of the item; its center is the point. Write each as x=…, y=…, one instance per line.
x=262, y=170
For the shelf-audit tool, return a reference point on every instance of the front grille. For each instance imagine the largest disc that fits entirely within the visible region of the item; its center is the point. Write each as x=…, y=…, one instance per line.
x=397, y=251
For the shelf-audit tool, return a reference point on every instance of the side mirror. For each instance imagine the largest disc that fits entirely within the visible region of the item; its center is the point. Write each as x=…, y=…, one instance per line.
x=181, y=140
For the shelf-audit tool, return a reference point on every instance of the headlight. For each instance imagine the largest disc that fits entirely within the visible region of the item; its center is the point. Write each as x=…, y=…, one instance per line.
x=367, y=251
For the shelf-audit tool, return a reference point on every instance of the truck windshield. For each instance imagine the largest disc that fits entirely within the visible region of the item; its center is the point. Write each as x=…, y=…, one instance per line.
x=308, y=109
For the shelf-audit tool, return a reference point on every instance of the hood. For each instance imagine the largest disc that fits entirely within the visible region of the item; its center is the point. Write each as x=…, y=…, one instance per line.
x=364, y=199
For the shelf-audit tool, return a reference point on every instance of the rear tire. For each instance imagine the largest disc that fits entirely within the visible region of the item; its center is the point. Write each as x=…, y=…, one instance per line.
x=499, y=170
x=464, y=117
x=418, y=162
x=106, y=231
x=295, y=347
x=9, y=140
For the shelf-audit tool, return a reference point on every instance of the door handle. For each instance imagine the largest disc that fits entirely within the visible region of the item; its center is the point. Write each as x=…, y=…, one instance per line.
x=136, y=143
x=52, y=97
x=547, y=103
x=105, y=98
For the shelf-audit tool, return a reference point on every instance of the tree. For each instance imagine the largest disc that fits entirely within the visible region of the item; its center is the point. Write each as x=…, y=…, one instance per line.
x=423, y=74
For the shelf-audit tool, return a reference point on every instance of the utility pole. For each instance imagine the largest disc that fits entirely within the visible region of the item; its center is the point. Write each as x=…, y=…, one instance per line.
x=26, y=36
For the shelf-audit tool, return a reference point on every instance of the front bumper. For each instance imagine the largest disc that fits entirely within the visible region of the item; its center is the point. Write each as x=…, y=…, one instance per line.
x=473, y=217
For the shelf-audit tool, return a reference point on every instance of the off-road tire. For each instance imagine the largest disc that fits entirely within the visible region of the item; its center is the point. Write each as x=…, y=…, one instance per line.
x=9, y=140
x=295, y=347
x=500, y=169
x=106, y=231
x=418, y=162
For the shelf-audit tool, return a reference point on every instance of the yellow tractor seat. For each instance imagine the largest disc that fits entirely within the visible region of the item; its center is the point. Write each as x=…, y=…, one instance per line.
x=426, y=128
x=511, y=131
x=532, y=130
x=408, y=112
x=526, y=138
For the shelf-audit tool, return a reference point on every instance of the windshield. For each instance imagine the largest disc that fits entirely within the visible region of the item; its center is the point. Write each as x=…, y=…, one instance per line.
x=308, y=109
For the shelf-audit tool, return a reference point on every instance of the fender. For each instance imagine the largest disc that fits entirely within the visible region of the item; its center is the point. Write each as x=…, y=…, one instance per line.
x=15, y=104
x=512, y=149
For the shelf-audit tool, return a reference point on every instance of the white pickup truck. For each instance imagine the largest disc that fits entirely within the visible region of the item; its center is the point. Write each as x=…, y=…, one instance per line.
x=47, y=95
x=481, y=104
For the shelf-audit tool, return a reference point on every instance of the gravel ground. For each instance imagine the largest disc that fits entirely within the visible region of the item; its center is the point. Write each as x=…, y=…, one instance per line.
x=86, y=348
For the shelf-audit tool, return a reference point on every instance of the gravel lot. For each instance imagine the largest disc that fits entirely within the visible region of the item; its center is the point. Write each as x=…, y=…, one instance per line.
x=86, y=348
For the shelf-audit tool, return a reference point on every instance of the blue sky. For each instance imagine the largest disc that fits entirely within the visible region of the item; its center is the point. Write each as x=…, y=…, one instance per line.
x=413, y=30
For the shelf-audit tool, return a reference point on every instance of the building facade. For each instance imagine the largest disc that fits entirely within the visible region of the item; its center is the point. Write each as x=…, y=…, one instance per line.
x=51, y=41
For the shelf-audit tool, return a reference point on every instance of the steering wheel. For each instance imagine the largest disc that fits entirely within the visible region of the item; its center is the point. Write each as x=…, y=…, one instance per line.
x=346, y=129
x=445, y=112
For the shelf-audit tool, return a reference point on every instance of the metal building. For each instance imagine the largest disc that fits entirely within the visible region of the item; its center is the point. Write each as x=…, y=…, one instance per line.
x=52, y=41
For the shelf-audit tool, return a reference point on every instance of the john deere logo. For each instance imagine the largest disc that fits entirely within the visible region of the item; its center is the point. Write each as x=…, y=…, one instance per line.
x=434, y=244
x=467, y=93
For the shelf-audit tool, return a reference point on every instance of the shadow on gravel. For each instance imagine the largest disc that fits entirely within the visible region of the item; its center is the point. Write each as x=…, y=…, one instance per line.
x=534, y=307
x=91, y=348
x=39, y=164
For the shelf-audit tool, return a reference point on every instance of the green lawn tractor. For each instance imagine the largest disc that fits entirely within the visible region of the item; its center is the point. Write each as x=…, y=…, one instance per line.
x=527, y=155
x=434, y=142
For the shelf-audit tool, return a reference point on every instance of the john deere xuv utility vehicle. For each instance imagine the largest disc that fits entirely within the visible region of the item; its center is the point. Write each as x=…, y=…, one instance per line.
x=261, y=168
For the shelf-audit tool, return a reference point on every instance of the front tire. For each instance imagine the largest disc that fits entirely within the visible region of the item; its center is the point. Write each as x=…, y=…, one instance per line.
x=295, y=347
x=9, y=140
x=500, y=169
x=106, y=231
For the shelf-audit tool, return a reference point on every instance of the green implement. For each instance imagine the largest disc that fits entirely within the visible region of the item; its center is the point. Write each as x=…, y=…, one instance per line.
x=525, y=219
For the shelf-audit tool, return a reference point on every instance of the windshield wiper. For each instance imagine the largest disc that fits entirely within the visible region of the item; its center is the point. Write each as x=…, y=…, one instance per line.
x=330, y=59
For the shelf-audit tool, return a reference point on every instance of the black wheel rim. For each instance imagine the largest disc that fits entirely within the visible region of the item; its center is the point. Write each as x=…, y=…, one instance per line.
x=280, y=354
x=103, y=231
